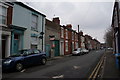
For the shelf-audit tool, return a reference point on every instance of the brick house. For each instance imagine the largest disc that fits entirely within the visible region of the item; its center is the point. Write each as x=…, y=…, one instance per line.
x=74, y=40
x=96, y=43
x=5, y=31
x=88, y=44
x=82, y=40
x=52, y=37
x=91, y=44
x=69, y=37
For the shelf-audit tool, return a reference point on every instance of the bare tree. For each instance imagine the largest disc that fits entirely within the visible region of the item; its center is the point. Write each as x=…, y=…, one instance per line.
x=109, y=37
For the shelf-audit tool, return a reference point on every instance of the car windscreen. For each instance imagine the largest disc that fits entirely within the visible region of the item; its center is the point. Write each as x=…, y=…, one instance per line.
x=75, y=49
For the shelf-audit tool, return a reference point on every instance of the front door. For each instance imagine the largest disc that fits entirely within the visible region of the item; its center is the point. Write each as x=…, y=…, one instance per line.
x=16, y=44
x=3, y=46
x=57, y=53
x=62, y=48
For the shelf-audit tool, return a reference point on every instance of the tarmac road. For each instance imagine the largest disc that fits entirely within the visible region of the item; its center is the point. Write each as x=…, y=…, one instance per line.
x=62, y=67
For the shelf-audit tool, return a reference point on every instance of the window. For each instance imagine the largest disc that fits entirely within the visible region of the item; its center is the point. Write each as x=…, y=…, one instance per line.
x=36, y=51
x=34, y=39
x=76, y=44
x=72, y=35
x=34, y=24
x=66, y=45
x=62, y=32
x=3, y=15
x=76, y=36
x=66, y=34
x=27, y=52
x=72, y=46
x=33, y=46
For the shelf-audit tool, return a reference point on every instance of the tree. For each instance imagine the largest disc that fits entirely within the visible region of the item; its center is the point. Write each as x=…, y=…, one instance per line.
x=109, y=37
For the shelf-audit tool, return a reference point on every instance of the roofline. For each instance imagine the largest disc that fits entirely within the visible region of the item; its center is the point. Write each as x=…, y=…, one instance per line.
x=68, y=28
x=27, y=7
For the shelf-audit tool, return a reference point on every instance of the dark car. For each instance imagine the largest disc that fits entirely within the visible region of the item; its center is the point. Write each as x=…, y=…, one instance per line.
x=24, y=58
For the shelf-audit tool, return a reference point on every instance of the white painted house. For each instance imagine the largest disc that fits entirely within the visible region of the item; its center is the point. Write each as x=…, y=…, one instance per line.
x=5, y=31
x=28, y=28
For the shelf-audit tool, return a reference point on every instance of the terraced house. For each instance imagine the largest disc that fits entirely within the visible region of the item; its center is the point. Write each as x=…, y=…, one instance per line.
x=28, y=28
x=69, y=39
x=52, y=37
x=5, y=31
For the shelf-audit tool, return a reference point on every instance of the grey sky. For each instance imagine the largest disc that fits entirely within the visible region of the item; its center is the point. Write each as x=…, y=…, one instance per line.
x=93, y=17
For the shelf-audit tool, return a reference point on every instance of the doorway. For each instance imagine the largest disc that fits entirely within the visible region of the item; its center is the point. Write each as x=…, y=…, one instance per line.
x=3, y=46
x=62, y=48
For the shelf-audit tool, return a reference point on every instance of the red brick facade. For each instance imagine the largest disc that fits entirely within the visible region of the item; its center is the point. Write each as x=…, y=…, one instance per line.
x=70, y=39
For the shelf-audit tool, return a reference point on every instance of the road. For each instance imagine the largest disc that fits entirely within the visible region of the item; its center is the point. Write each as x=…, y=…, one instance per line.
x=63, y=67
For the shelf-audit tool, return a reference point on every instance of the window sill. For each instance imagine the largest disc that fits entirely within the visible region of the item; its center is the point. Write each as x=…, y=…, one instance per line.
x=3, y=25
x=62, y=37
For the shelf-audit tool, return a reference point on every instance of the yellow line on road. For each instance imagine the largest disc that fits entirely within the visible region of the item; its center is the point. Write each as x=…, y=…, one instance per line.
x=96, y=69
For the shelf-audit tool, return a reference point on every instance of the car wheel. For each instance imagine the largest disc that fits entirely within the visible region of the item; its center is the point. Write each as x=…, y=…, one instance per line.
x=43, y=61
x=19, y=66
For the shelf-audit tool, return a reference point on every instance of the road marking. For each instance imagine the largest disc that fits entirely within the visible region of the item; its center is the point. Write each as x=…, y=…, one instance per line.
x=76, y=67
x=23, y=70
x=96, y=69
x=60, y=76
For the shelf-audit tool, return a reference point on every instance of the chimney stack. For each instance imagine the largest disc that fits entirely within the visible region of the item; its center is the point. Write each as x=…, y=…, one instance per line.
x=56, y=20
x=69, y=26
x=81, y=33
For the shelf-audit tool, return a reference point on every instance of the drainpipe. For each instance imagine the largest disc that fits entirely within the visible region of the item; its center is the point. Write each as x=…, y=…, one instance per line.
x=42, y=31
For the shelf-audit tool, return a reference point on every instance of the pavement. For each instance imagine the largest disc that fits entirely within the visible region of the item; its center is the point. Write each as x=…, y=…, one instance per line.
x=110, y=68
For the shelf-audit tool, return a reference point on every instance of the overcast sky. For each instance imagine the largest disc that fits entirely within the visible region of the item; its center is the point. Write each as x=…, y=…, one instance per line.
x=93, y=17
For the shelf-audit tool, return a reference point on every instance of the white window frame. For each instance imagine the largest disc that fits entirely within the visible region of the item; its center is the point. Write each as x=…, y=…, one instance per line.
x=62, y=32
x=34, y=27
x=66, y=32
x=76, y=44
x=76, y=37
x=73, y=35
x=1, y=6
x=66, y=46
x=73, y=46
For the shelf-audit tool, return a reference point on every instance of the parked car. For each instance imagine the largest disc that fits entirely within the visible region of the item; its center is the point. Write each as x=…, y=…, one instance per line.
x=77, y=51
x=23, y=59
x=84, y=51
x=109, y=48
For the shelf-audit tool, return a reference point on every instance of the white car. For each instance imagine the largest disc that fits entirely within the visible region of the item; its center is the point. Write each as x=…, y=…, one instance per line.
x=84, y=51
x=77, y=51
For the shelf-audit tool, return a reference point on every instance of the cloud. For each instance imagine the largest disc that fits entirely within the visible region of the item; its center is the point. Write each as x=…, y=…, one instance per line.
x=93, y=17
